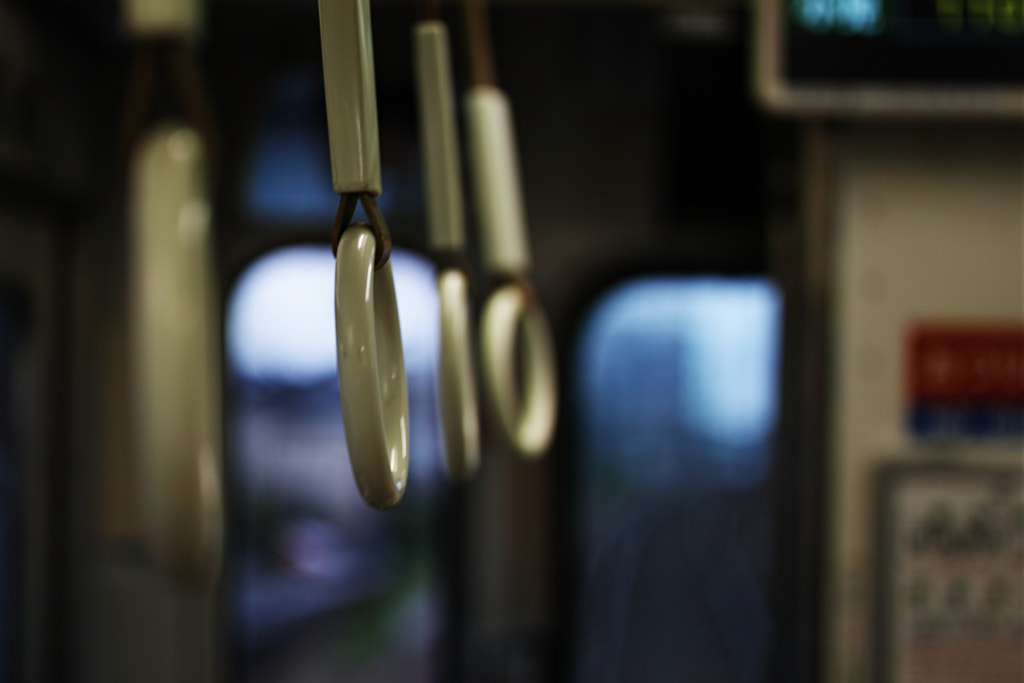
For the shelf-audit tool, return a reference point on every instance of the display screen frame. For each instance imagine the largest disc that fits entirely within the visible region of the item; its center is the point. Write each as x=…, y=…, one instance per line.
x=860, y=96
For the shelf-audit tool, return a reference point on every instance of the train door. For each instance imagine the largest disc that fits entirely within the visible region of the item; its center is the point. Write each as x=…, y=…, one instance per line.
x=41, y=171
x=32, y=525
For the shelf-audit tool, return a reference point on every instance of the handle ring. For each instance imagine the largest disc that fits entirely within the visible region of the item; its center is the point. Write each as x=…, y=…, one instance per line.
x=528, y=420
x=371, y=369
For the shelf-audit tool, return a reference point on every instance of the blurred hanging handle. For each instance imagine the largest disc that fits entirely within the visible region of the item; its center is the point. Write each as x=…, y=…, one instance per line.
x=446, y=237
x=371, y=367
x=446, y=231
x=161, y=19
x=499, y=196
x=165, y=33
x=176, y=354
x=526, y=415
x=176, y=371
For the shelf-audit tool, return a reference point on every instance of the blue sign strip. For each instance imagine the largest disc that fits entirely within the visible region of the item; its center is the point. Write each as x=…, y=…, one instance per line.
x=967, y=421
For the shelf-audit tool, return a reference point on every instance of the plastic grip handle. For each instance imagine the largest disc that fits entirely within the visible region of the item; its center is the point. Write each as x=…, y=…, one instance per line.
x=157, y=18
x=347, y=46
x=496, y=184
x=371, y=370
x=439, y=136
x=176, y=355
x=527, y=417
x=457, y=382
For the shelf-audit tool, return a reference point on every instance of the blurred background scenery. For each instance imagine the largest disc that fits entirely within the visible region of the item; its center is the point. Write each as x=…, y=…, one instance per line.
x=781, y=248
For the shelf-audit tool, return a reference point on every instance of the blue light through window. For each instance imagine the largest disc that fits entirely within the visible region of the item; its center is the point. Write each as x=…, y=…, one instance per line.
x=683, y=371
x=289, y=178
x=280, y=322
x=322, y=586
x=677, y=390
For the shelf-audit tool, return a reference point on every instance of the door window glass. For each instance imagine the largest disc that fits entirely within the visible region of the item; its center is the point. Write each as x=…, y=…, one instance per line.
x=323, y=587
x=676, y=384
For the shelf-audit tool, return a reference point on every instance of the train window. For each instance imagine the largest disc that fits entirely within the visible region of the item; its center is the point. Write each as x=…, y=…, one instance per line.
x=322, y=587
x=677, y=391
x=288, y=179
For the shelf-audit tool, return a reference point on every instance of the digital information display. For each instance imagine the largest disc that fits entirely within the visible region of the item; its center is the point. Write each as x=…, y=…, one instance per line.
x=974, y=43
x=943, y=19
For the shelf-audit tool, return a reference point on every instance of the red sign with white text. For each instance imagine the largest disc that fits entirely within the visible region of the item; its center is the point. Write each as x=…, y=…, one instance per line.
x=966, y=380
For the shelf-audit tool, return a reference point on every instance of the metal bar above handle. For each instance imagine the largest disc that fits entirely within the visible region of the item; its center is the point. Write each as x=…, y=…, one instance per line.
x=439, y=133
x=496, y=182
x=347, y=46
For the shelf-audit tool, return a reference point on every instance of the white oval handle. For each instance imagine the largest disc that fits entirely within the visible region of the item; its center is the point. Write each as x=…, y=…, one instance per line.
x=346, y=43
x=527, y=422
x=457, y=384
x=176, y=354
x=371, y=370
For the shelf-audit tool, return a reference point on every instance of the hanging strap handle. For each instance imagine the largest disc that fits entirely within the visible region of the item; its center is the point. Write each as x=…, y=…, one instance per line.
x=446, y=238
x=494, y=162
x=160, y=19
x=478, y=42
x=526, y=418
x=165, y=33
x=176, y=373
x=371, y=370
x=371, y=367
